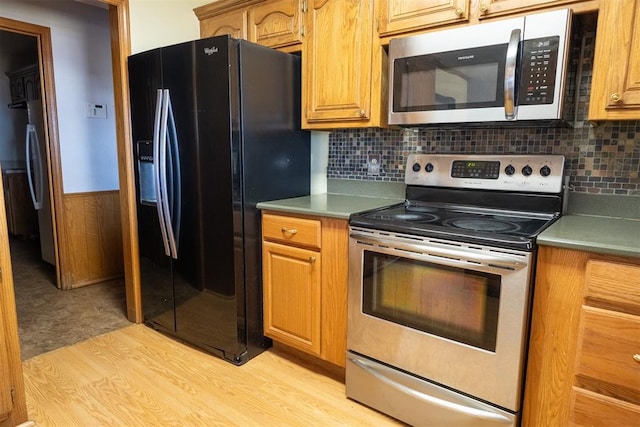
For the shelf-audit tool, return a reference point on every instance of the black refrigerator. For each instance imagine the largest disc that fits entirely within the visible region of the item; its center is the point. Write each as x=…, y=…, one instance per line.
x=216, y=129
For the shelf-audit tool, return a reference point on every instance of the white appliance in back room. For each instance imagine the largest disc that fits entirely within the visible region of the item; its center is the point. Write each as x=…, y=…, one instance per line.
x=36, y=156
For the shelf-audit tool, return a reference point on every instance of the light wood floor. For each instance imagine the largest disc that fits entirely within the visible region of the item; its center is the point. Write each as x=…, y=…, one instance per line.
x=138, y=377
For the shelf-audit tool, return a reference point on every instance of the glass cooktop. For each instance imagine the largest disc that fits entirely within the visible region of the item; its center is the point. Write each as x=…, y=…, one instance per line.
x=456, y=222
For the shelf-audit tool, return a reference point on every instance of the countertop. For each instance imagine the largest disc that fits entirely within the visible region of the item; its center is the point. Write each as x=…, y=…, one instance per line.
x=598, y=223
x=328, y=204
x=342, y=199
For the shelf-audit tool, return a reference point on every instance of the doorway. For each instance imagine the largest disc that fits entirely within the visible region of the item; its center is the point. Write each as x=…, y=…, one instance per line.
x=48, y=318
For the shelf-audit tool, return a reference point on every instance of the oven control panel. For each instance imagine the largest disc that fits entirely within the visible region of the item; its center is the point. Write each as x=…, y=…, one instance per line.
x=528, y=173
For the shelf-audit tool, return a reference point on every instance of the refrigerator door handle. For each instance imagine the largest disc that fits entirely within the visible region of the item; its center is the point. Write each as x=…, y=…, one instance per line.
x=174, y=201
x=34, y=188
x=157, y=153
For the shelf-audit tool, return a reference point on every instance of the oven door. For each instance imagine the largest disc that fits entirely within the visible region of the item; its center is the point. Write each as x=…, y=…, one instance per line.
x=453, y=313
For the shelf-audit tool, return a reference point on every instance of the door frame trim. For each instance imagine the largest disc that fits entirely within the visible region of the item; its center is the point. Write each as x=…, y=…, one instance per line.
x=51, y=137
x=120, y=50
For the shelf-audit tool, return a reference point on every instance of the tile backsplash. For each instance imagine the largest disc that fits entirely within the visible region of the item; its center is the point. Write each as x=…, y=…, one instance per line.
x=601, y=158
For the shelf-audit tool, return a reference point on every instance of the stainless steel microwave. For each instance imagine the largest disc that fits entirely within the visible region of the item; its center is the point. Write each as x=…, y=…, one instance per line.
x=513, y=69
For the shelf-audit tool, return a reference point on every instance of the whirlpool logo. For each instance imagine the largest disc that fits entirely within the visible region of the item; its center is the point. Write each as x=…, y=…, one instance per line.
x=465, y=57
x=210, y=50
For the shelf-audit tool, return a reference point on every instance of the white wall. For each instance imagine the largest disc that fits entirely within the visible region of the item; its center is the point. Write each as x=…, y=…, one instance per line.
x=82, y=68
x=155, y=23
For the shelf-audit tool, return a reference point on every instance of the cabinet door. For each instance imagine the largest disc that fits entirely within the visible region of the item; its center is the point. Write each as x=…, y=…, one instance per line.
x=594, y=409
x=292, y=296
x=232, y=23
x=337, y=62
x=397, y=16
x=615, y=88
x=276, y=23
x=22, y=218
x=491, y=8
x=607, y=344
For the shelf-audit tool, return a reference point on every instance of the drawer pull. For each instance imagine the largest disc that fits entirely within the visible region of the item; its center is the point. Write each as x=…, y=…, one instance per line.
x=289, y=230
x=636, y=357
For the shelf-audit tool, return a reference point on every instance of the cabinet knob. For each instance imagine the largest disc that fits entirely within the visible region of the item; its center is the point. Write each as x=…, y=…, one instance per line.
x=483, y=8
x=289, y=230
x=363, y=113
x=312, y=260
x=459, y=12
x=615, y=97
x=636, y=357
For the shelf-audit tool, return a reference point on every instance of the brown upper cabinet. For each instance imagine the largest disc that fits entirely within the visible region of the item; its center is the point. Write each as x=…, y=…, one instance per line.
x=404, y=16
x=400, y=16
x=494, y=8
x=343, y=46
x=225, y=17
x=233, y=23
x=337, y=64
x=24, y=84
x=342, y=60
x=277, y=24
x=615, y=87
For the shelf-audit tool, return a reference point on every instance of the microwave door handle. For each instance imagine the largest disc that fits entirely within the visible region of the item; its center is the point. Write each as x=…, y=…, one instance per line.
x=510, y=75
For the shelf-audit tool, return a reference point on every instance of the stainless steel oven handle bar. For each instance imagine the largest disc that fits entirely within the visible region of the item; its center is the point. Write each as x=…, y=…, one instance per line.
x=459, y=253
x=452, y=406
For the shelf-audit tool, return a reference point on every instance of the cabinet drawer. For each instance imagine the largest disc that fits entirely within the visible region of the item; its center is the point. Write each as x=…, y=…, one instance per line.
x=291, y=230
x=606, y=349
x=592, y=409
x=613, y=284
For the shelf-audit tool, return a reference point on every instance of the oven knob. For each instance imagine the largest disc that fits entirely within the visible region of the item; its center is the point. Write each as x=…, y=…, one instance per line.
x=416, y=167
x=429, y=167
x=545, y=171
x=526, y=171
x=510, y=170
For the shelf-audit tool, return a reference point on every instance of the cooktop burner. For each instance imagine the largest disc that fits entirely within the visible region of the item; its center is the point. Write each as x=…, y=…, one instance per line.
x=415, y=217
x=482, y=224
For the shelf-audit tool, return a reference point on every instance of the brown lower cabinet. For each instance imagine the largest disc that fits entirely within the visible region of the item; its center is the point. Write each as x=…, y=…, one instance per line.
x=584, y=352
x=22, y=218
x=305, y=283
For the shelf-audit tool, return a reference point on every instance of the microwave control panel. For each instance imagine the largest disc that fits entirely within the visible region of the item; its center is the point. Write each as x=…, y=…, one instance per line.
x=538, y=77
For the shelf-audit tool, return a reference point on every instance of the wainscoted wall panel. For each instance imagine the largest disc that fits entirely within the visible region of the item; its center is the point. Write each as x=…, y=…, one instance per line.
x=600, y=158
x=94, y=241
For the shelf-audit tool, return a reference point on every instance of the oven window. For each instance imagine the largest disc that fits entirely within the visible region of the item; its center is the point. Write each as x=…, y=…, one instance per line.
x=469, y=78
x=458, y=304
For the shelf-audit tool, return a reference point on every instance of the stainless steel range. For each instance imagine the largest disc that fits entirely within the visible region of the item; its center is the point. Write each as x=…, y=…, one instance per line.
x=440, y=289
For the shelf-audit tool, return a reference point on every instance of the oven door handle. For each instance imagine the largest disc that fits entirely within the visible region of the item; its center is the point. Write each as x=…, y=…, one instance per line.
x=433, y=400
x=496, y=260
